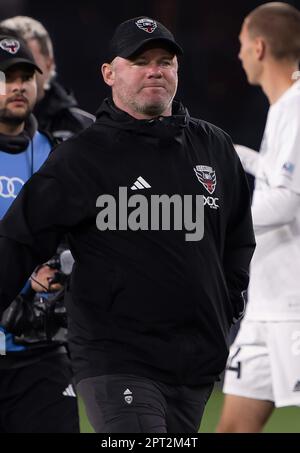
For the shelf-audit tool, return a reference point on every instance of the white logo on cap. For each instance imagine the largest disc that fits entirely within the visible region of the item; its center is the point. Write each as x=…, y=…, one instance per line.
x=10, y=45
x=147, y=25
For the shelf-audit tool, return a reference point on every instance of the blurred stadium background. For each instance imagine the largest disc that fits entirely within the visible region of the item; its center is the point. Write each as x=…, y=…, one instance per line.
x=212, y=82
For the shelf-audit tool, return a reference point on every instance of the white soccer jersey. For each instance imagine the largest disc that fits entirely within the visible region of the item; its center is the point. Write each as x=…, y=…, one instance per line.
x=274, y=289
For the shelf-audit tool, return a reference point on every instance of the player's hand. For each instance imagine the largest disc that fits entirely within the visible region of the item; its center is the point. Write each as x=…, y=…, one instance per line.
x=41, y=280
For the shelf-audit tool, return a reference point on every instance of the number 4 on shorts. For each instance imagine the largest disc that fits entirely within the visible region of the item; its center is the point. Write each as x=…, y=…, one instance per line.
x=235, y=365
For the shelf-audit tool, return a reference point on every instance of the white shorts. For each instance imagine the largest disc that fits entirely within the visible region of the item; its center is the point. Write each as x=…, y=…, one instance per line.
x=264, y=363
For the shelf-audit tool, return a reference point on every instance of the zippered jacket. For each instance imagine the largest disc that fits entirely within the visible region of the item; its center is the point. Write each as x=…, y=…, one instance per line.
x=144, y=301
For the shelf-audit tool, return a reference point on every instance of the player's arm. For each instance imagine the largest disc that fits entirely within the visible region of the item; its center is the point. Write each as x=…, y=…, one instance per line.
x=278, y=203
x=274, y=208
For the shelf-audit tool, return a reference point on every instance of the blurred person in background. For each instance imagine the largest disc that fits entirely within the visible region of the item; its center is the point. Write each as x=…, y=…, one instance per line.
x=263, y=370
x=36, y=393
x=56, y=110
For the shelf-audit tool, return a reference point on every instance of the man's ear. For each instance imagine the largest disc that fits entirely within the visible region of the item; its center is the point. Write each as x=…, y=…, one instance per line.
x=108, y=74
x=260, y=48
x=50, y=65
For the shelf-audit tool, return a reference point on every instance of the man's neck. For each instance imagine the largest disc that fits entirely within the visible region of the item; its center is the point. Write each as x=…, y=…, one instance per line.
x=276, y=80
x=11, y=129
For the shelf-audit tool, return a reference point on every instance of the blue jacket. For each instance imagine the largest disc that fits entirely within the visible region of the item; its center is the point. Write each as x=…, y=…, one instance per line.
x=15, y=169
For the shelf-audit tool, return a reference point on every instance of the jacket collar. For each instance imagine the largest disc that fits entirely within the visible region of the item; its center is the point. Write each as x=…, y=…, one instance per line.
x=161, y=127
x=15, y=144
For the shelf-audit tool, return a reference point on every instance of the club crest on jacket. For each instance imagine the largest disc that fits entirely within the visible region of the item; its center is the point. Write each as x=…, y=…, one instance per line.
x=207, y=177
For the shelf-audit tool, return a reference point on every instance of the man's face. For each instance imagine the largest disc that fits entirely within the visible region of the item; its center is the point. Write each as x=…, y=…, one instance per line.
x=145, y=85
x=45, y=63
x=249, y=56
x=20, y=97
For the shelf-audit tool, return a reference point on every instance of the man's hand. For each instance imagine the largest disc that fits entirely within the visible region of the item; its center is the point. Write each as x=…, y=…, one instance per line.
x=41, y=280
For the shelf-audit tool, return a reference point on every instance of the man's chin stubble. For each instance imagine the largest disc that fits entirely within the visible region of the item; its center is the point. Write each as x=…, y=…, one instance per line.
x=14, y=120
x=151, y=109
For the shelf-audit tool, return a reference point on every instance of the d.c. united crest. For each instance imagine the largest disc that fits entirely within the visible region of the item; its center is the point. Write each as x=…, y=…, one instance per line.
x=147, y=25
x=207, y=177
x=10, y=45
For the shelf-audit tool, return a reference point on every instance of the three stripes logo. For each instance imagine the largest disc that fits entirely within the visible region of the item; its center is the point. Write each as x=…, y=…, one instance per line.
x=69, y=391
x=128, y=396
x=140, y=183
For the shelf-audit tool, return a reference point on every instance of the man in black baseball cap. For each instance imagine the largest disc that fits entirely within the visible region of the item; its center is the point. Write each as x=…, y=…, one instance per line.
x=36, y=371
x=135, y=34
x=141, y=68
x=150, y=313
x=18, y=93
x=14, y=51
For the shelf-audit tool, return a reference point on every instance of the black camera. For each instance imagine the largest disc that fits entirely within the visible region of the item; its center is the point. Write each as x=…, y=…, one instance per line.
x=63, y=262
x=41, y=317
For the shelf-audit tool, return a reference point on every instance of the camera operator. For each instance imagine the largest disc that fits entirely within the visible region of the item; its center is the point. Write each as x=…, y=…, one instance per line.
x=36, y=394
x=38, y=314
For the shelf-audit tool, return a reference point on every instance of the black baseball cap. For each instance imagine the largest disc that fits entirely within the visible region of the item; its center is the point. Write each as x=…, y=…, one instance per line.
x=134, y=34
x=14, y=51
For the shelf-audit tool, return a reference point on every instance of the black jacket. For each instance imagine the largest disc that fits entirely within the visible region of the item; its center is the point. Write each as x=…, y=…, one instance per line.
x=58, y=113
x=147, y=303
